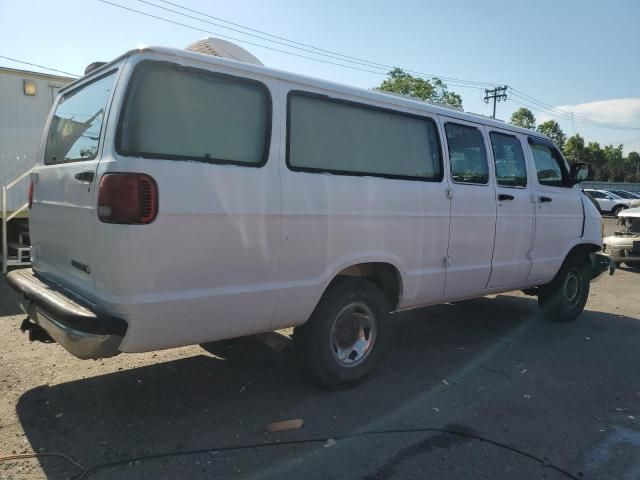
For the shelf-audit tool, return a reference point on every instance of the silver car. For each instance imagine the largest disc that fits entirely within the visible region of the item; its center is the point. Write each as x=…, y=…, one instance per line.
x=624, y=244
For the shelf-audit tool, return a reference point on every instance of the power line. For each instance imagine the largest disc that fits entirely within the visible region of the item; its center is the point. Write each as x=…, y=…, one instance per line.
x=362, y=61
x=568, y=117
x=39, y=66
x=461, y=83
x=568, y=114
x=199, y=29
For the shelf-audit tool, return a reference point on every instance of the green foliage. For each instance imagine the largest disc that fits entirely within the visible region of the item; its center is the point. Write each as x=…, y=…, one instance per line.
x=595, y=157
x=574, y=149
x=434, y=90
x=614, y=162
x=609, y=163
x=523, y=117
x=632, y=167
x=552, y=129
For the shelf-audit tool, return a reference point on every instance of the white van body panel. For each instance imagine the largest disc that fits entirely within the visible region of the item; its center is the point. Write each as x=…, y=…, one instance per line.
x=515, y=226
x=331, y=222
x=237, y=250
x=472, y=225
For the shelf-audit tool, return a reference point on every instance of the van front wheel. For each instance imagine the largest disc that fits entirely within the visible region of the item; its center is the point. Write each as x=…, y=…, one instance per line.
x=564, y=298
x=343, y=339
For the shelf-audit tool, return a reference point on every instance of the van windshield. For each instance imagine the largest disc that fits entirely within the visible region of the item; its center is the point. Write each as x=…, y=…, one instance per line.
x=76, y=125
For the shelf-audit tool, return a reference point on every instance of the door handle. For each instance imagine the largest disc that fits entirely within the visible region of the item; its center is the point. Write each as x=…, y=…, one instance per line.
x=545, y=199
x=85, y=177
x=504, y=196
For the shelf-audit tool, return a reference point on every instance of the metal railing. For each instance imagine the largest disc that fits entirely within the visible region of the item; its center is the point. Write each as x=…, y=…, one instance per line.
x=5, y=219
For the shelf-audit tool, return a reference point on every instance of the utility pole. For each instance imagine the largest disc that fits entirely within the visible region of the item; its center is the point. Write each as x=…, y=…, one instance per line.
x=498, y=94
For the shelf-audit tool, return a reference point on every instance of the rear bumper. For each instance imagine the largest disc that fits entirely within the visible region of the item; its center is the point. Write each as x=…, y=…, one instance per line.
x=81, y=329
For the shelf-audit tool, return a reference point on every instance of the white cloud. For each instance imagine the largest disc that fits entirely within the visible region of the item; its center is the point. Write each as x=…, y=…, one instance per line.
x=618, y=111
x=623, y=112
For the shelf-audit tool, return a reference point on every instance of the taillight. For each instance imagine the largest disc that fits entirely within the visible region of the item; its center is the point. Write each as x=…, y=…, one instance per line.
x=30, y=194
x=127, y=198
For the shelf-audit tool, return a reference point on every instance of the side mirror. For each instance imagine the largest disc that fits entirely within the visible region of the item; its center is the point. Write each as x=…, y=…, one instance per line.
x=580, y=172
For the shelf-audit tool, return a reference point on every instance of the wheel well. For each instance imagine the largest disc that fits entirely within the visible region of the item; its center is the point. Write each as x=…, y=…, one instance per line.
x=582, y=250
x=621, y=205
x=383, y=275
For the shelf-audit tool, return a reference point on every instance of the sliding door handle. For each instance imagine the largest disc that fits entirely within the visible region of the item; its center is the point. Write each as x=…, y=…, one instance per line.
x=504, y=196
x=545, y=199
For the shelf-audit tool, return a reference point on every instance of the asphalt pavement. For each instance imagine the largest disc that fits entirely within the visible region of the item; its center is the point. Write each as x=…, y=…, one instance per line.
x=524, y=398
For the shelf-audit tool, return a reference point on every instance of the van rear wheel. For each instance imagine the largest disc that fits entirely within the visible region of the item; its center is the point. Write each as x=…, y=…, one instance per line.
x=563, y=299
x=345, y=335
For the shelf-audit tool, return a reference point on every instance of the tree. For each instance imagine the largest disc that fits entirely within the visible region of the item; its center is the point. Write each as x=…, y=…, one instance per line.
x=523, y=117
x=595, y=157
x=552, y=129
x=614, y=162
x=632, y=167
x=574, y=149
x=434, y=90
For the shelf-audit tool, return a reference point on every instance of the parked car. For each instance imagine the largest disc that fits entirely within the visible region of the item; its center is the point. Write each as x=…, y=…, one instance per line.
x=185, y=198
x=610, y=202
x=624, y=244
x=624, y=194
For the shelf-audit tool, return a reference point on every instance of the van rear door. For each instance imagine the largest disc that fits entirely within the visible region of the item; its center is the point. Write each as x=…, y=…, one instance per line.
x=64, y=188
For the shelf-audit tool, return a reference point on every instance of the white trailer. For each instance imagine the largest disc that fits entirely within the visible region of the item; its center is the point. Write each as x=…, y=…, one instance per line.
x=25, y=100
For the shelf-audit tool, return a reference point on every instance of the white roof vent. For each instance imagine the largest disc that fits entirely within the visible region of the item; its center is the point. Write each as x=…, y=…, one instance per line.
x=222, y=48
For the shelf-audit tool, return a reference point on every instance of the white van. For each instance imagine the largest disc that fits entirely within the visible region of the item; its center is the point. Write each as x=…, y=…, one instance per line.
x=184, y=199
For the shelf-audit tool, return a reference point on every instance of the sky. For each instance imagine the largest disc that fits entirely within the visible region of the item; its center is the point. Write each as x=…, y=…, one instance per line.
x=577, y=56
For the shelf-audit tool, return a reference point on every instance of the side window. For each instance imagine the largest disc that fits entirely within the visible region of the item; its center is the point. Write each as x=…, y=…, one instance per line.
x=176, y=112
x=467, y=154
x=511, y=168
x=597, y=194
x=549, y=165
x=328, y=135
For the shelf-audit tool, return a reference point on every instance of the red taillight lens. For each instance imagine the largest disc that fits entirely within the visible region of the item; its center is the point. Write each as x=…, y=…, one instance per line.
x=30, y=194
x=127, y=198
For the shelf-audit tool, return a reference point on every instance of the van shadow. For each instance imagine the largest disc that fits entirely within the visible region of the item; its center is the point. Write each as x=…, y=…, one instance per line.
x=8, y=299
x=205, y=401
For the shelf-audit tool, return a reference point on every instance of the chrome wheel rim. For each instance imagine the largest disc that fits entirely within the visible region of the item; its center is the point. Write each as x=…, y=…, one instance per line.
x=353, y=334
x=572, y=287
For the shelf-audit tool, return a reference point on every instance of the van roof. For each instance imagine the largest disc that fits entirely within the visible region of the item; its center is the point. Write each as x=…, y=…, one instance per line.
x=330, y=86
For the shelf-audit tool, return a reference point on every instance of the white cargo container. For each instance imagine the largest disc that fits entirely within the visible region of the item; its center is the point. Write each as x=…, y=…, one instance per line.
x=25, y=101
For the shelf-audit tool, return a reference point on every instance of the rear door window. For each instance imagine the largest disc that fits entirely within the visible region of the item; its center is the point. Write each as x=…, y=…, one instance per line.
x=511, y=168
x=467, y=154
x=177, y=112
x=76, y=126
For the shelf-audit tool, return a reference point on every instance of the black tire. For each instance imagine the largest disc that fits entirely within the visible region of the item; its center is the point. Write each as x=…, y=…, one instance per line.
x=563, y=299
x=352, y=310
x=617, y=209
